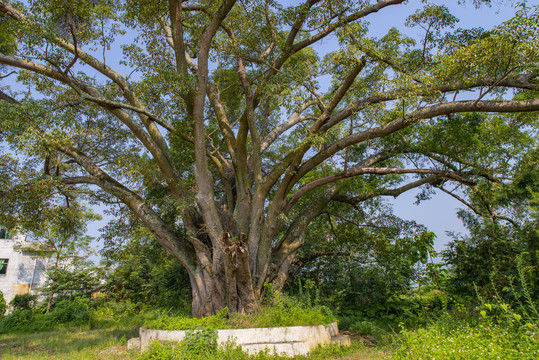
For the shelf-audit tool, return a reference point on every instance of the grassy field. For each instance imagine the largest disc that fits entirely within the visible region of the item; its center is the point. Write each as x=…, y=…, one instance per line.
x=111, y=344
x=495, y=332
x=485, y=340
x=66, y=344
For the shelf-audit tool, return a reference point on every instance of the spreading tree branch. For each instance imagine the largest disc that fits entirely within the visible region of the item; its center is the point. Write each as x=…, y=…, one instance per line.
x=412, y=118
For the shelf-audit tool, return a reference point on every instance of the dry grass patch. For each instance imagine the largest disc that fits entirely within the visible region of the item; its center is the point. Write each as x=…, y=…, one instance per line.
x=64, y=344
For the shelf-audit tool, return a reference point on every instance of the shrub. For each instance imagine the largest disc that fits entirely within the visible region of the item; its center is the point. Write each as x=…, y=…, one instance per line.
x=3, y=305
x=451, y=339
x=200, y=342
x=183, y=351
x=158, y=351
x=18, y=320
x=174, y=321
x=230, y=351
x=495, y=331
x=23, y=302
x=75, y=310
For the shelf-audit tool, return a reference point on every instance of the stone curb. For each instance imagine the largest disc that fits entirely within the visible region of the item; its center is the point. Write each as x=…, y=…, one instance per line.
x=289, y=341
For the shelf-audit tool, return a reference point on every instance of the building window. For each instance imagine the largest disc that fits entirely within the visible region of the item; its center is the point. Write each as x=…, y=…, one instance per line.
x=3, y=266
x=4, y=234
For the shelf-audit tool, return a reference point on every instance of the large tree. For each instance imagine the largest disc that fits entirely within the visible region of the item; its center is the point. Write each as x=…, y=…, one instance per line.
x=226, y=127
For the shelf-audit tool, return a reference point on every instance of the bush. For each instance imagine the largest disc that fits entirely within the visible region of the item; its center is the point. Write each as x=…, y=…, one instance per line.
x=23, y=302
x=229, y=351
x=185, y=351
x=158, y=351
x=200, y=342
x=3, y=305
x=74, y=311
x=196, y=345
x=18, y=320
x=146, y=275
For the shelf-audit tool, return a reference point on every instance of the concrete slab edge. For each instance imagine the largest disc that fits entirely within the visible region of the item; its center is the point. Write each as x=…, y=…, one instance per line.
x=289, y=341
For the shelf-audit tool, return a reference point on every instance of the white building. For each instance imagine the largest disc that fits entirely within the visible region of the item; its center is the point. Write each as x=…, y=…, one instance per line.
x=21, y=271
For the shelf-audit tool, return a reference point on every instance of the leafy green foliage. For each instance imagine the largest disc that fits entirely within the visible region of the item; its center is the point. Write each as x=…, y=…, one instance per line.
x=182, y=351
x=70, y=311
x=8, y=38
x=200, y=342
x=359, y=260
x=79, y=280
x=67, y=312
x=461, y=340
x=229, y=351
x=20, y=321
x=489, y=254
x=144, y=274
x=77, y=312
x=503, y=325
x=182, y=322
x=3, y=305
x=23, y=302
x=280, y=311
x=495, y=329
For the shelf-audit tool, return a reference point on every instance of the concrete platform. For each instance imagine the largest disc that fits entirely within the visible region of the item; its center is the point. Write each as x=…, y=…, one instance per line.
x=289, y=341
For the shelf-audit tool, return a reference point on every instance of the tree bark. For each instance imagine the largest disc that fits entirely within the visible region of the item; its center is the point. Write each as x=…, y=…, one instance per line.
x=228, y=285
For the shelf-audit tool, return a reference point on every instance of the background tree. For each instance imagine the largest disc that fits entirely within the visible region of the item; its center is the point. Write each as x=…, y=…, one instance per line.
x=502, y=224
x=216, y=131
x=65, y=249
x=360, y=259
x=142, y=272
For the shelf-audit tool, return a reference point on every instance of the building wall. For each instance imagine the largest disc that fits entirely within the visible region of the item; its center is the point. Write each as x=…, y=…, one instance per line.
x=25, y=272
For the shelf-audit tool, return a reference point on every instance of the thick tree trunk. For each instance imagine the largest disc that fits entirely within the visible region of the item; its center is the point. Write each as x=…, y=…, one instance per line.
x=207, y=299
x=225, y=283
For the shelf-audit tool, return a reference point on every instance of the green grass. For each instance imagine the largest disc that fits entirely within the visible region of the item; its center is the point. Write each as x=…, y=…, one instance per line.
x=491, y=331
x=66, y=344
x=281, y=314
x=450, y=339
x=105, y=344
